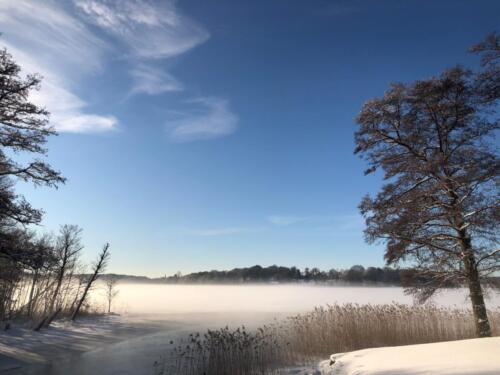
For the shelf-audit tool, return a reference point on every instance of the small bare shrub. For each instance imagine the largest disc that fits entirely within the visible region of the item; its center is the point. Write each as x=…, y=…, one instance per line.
x=305, y=338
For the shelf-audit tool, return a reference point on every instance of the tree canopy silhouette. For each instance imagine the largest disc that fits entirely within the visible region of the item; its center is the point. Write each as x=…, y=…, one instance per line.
x=24, y=129
x=439, y=206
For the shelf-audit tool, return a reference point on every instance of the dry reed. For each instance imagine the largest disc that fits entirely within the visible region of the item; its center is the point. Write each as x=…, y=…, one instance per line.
x=305, y=338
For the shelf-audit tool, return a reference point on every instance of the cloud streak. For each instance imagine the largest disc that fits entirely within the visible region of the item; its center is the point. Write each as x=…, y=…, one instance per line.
x=349, y=225
x=153, y=81
x=150, y=29
x=44, y=38
x=59, y=40
x=215, y=120
x=51, y=32
x=283, y=220
x=219, y=231
x=146, y=31
x=342, y=223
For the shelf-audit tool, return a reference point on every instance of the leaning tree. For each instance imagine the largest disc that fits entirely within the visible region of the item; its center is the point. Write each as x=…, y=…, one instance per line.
x=438, y=208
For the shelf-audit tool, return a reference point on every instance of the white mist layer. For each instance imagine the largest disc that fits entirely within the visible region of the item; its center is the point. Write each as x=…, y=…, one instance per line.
x=167, y=299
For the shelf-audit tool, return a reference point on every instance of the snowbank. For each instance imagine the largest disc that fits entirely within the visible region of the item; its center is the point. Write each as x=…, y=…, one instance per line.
x=476, y=356
x=21, y=347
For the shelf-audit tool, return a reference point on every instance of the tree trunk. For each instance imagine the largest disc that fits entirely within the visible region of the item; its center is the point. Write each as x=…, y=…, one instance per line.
x=49, y=320
x=84, y=295
x=32, y=291
x=40, y=324
x=98, y=268
x=481, y=321
x=60, y=278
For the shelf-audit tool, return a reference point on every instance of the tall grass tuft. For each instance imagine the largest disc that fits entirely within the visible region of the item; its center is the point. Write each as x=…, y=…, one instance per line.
x=305, y=338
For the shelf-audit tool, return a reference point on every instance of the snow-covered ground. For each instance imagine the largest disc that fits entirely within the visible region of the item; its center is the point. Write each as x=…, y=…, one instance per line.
x=125, y=345
x=22, y=348
x=465, y=357
x=152, y=315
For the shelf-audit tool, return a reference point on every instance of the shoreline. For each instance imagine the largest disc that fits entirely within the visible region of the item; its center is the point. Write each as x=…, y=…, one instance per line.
x=22, y=348
x=131, y=342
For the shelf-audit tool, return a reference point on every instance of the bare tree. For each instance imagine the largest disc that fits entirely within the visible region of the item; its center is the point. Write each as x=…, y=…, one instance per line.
x=488, y=80
x=16, y=255
x=98, y=269
x=40, y=261
x=67, y=250
x=111, y=290
x=439, y=207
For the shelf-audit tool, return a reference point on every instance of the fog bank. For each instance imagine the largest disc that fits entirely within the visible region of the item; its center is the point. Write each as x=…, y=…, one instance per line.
x=166, y=299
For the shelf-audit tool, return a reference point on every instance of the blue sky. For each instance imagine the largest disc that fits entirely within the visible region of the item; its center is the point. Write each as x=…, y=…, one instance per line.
x=215, y=134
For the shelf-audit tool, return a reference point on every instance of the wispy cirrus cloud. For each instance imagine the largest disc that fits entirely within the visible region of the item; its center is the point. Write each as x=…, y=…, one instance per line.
x=45, y=39
x=48, y=30
x=213, y=232
x=60, y=40
x=152, y=31
x=214, y=120
x=147, y=31
x=340, y=223
x=343, y=225
x=284, y=220
x=153, y=81
x=346, y=224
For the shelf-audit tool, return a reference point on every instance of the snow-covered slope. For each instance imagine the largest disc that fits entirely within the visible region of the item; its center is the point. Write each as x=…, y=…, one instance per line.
x=471, y=357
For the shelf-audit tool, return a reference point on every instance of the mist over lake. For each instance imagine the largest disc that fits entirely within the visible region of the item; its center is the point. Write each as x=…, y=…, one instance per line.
x=139, y=299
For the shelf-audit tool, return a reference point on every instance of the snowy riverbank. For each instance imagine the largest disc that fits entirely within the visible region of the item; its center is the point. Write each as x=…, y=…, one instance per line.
x=128, y=344
x=464, y=357
x=23, y=348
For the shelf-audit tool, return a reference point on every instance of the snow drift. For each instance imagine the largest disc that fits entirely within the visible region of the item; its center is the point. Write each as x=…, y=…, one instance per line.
x=464, y=357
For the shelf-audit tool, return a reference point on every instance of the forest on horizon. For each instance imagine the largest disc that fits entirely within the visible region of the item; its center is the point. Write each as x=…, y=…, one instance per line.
x=356, y=274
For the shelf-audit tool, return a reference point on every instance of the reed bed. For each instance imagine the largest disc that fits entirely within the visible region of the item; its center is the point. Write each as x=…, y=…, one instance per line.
x=305, y=338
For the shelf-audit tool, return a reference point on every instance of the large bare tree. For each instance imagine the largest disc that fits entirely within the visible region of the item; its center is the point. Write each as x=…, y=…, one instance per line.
x=439, y=206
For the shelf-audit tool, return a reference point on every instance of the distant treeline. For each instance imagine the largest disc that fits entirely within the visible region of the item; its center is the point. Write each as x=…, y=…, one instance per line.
x=357, y=274
x=256, y=274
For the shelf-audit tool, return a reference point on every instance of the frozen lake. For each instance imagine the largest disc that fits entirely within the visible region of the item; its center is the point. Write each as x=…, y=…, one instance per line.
x=153, y=315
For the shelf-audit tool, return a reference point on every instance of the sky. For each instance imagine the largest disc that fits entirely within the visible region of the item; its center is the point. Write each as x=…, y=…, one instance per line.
x=200, y=135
